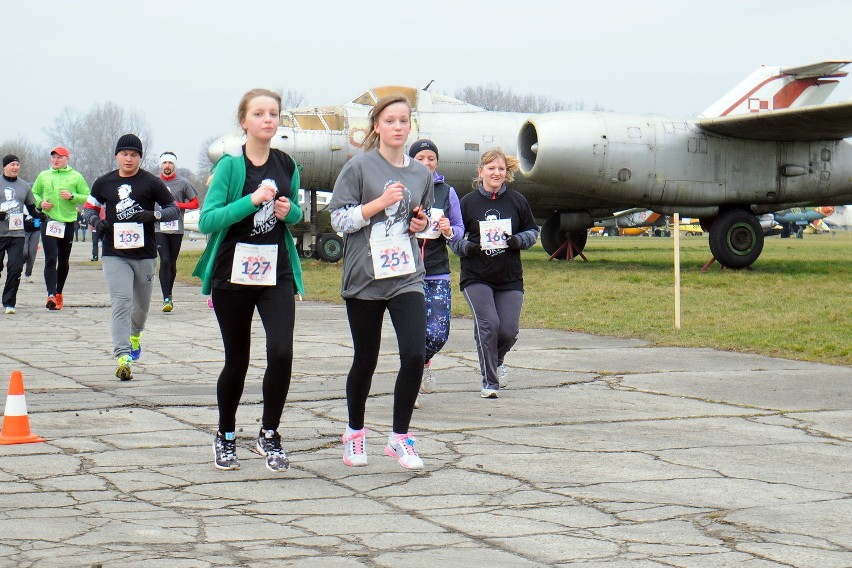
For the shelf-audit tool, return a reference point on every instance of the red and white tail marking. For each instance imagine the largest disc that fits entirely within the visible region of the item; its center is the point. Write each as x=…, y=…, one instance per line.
x=772, y=88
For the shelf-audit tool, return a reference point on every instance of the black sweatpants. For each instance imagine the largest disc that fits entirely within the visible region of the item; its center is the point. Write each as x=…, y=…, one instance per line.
x=408, y=316
x=57, y=253
x=168, y=246
x=234, y=311
x=14, y=248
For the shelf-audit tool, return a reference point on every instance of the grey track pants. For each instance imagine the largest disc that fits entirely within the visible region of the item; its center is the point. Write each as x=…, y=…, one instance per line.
x=130, y=282
x=496, y=318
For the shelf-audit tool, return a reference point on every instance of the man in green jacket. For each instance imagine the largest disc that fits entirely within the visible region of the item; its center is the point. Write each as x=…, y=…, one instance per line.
x=57, y=192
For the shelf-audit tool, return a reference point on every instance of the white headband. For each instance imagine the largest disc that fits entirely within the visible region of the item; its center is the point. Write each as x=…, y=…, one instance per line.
x=168, y=157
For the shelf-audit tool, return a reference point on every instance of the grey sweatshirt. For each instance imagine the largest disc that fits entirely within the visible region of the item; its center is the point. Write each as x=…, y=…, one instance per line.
x=363, y=179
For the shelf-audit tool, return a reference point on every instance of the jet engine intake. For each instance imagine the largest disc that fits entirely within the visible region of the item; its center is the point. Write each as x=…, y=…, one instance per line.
x=564, y=149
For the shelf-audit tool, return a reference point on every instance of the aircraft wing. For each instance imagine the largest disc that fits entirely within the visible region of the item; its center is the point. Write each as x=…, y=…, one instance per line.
x=819, y=122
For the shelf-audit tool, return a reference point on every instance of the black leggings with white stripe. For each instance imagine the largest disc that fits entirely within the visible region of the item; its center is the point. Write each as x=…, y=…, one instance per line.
x=496, y=318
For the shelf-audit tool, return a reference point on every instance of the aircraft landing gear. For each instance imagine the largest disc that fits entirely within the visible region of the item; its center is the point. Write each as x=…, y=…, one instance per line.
x=330, y=247
x=557, y=241
x=736, y=238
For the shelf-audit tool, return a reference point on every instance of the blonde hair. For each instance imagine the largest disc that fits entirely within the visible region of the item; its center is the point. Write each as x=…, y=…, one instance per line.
x=512, y=165
x=371, y=140
x=242, y=109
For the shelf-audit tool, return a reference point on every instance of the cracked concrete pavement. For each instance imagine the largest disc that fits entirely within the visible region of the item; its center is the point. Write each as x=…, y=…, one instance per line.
x=602, y=452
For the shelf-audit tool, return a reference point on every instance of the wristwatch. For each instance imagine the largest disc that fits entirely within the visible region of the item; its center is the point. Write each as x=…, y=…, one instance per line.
x=157, y=215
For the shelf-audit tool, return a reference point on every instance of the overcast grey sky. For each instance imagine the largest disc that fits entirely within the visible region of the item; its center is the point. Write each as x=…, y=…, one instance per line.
x=184, y=64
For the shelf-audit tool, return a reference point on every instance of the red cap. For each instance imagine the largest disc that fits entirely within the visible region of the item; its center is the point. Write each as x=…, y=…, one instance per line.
x=59, y=150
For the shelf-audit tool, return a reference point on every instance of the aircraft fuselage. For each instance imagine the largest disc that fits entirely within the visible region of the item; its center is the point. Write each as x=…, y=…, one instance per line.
x=674, y=166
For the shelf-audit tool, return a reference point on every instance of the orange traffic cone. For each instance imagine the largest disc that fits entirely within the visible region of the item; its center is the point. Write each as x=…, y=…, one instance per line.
x=16, y=423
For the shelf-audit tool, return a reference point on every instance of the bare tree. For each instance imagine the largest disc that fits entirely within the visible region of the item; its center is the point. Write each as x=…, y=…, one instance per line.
x=33, y=158
x=204, y=164
x=91, y=138
x=291, y=98
x=496, y=98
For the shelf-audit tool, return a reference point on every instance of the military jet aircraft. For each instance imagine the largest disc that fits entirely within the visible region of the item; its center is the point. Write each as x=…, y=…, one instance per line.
x=841, y=219
x=767, y=145
x=793, y=221
x=582, y=166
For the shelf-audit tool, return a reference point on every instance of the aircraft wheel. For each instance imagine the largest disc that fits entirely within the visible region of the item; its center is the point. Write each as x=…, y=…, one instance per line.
x=553, y=237
x=330, y=247
x=736, y=238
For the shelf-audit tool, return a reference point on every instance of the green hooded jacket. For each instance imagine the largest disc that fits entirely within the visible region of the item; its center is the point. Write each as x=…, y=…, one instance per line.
x=225, y=205
x=50, y=182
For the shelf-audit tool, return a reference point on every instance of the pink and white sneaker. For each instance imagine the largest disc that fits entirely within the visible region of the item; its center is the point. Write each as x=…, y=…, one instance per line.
x=355, y=448
x=401, y=447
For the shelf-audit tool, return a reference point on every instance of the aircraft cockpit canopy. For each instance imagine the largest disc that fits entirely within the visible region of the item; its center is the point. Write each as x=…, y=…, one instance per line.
x=320, y=118
x=372, y=96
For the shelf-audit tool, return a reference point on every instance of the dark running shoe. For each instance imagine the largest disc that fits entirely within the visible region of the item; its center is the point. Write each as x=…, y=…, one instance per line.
x=269, y=445
x=225, y=452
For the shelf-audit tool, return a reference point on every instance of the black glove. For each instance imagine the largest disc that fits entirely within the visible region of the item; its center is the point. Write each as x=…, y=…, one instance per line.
x=29, y=225
x=469, y=248
x=103, y=227
x=143, y=217
x=512, y=240
x=2, y=215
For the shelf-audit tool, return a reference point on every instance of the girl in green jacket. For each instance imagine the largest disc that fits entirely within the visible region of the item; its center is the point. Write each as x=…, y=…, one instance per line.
x=251, y=263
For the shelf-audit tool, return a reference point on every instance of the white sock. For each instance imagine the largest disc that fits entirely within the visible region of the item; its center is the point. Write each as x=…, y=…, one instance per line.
x=350, y=431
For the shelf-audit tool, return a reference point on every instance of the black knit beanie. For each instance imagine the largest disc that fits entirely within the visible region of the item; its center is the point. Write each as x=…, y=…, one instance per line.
x=421, y=145
x=9, y=158
x=129, y=142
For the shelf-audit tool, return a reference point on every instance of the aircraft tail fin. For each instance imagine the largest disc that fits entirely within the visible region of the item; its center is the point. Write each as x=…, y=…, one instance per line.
x=772, y=88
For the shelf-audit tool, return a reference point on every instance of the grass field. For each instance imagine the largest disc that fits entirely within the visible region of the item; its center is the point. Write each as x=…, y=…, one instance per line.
x=796, y=303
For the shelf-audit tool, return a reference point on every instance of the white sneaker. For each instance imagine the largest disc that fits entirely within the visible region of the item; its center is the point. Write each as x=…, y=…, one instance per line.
x=10, y=309
x=401, y=447
x=502, y=376
x=488, y=393
x=355, y=448
x=429, y=384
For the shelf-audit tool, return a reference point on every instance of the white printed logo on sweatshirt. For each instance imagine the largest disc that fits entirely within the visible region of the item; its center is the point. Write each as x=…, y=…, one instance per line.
x=265, y=219
x=397, y=220
x=10, y=204
x=126, y=206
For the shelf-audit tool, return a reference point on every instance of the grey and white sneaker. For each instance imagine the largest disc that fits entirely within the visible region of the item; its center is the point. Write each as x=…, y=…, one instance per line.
x=269, y=445
x=429, y=383
x=488, y=393
x=225, y=452
x=502, y=376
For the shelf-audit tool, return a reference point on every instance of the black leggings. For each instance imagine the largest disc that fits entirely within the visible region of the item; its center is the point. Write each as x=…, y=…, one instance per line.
x=234, y=311
x=57, y=253
x=168, y=245
x=408, y=315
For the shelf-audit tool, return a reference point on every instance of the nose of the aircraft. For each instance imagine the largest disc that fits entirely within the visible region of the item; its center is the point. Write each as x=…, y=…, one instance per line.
x=227, y=144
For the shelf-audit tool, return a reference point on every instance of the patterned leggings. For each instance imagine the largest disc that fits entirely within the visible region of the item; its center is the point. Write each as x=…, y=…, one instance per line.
x=438, y=301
